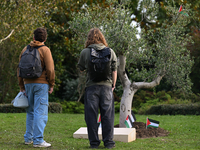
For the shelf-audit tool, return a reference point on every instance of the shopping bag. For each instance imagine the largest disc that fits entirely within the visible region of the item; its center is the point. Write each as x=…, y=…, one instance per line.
x=20, y=100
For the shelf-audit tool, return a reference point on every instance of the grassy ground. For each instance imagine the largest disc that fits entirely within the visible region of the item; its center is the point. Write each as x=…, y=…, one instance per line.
x=184, y=133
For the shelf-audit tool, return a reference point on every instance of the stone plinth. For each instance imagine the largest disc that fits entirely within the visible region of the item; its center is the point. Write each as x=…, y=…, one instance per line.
x=120, y=134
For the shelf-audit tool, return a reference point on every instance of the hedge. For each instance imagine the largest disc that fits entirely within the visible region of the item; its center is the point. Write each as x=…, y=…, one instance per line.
x=72, y=107
x=8, y=108
x=175, y=109
x=78, y=107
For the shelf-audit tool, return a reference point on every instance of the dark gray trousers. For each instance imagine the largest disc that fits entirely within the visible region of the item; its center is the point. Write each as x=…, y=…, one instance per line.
x=99, y=96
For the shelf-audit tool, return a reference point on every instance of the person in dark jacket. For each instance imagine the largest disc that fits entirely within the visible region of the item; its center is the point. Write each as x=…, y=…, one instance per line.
x=99, y=95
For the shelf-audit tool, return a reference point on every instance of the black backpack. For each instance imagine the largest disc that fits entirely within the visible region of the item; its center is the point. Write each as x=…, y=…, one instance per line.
x=100, y=65
x=30, y=63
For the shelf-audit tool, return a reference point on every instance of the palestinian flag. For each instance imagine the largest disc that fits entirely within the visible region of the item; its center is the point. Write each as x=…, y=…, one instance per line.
x=181, y=11
x=152, y=123
x=99, y=121
x=128, y=122
x=133, y=119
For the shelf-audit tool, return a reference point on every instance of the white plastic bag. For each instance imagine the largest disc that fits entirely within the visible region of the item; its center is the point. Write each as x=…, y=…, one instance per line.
x=20, y=100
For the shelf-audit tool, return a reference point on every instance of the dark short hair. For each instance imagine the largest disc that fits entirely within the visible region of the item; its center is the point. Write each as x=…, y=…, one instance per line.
x=40, y=34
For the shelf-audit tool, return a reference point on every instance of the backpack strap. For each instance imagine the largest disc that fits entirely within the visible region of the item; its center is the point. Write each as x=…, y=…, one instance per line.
x=28, y=47
x=39, y=46
x=44, y=64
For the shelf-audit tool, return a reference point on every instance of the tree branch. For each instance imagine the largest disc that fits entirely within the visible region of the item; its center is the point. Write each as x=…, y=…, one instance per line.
x=7, y=36
x=139, y=85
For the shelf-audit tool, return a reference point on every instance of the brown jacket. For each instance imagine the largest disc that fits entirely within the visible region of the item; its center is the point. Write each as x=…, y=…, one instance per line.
x=48, y=75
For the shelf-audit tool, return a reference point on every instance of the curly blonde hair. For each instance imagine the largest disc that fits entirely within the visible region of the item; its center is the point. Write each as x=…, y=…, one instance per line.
x=95, y=37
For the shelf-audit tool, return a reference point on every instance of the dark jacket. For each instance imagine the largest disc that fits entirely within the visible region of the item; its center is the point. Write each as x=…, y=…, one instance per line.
x=84, y=62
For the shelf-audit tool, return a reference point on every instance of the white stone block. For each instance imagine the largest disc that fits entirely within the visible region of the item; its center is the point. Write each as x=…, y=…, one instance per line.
x=120, y=134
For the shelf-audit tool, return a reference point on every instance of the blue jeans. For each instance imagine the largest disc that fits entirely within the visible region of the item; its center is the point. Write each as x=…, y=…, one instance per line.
x=37, y=112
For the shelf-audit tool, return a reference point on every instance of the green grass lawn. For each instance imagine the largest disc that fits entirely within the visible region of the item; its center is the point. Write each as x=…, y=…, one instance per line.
x=184, y=133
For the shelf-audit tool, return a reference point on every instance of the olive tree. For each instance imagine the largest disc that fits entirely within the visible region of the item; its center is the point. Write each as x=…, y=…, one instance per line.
x=158, y=52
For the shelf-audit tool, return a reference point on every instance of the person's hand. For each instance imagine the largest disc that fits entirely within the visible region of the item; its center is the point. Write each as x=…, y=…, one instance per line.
x=23, y=91
x=50, y=90
x=113, y=88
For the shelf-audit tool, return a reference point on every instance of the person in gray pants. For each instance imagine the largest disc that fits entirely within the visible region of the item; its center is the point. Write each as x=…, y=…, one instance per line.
x=99, y=88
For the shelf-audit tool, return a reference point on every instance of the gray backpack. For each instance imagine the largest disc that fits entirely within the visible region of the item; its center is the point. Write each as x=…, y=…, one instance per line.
x=30, y=63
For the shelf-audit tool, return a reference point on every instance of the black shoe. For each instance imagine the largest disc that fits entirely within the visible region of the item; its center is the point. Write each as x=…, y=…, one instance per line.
x=93, y=147
x=110, y=146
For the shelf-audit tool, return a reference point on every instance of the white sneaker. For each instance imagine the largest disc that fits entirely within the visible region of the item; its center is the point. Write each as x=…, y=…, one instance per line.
x=44, y=144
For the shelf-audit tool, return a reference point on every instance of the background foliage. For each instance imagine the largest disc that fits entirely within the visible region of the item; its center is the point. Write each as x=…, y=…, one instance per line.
x=25, y=16
x=158, y=51
x=22, y=17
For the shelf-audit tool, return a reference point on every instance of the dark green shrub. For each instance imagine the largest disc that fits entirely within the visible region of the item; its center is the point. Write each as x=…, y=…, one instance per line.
x=118, y=88
x=137, y=100
x=141, y=97
x=145, y=106
x=8, y=108
x=143, y=100
x=194, y=97
x=176, y=109
x=135, y=111
x=78, y=107
x=160, y=94
x=72, y=107
x=55, y=107
x=117, y=107
x=163, y=96
x=70, y=92
x=142, y=94
x=53, y=98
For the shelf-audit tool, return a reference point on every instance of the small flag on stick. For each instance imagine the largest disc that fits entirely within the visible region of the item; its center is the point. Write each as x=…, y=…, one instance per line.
x=181, y=11
x=152, y=123
x=133, y=118
x=128, y=122
x=99, y=121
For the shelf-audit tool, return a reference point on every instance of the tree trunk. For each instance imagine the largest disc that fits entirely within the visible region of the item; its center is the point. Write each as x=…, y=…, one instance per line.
x=125, y=105
x=129, y=89
x=128, y=92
